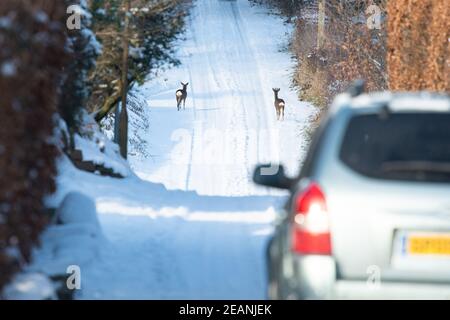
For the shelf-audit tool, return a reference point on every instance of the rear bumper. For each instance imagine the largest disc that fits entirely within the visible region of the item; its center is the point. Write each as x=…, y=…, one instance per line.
x=314, y=277
x=389, y=290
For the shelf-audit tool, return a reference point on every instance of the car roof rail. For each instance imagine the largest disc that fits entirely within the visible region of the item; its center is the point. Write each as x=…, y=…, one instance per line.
x=357, y=88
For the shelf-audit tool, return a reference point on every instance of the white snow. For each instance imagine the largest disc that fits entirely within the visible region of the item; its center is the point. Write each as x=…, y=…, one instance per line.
x=41, y=16
x=5, y=22
x=77, y=208
x=193, y=225
x=100, y=11
x=8, y=69
x=74, y=239
x=136, y=53
x=29, y=286
x=96, y=147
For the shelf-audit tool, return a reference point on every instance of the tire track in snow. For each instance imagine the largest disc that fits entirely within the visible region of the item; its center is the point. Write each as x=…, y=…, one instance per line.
x=231, y=110
x=238, y=119
x=263, y=133
x=191, y=149
x=244, y=115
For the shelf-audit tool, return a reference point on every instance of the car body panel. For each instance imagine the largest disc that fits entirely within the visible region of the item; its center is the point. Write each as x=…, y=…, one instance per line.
x=369, y=219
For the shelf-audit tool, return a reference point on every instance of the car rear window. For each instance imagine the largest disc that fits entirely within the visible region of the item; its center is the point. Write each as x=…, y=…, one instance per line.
x=401, y=146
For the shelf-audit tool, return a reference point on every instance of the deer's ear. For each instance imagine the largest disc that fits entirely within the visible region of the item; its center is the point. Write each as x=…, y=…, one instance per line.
x=182, y=83
x=187, y=83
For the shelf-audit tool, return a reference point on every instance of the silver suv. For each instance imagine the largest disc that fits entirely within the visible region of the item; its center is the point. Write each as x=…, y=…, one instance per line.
x=369, y=215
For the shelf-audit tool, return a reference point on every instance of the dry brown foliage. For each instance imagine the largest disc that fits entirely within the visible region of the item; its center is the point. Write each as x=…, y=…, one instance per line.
x=32, y=55
x=418, y=41
x=350, y=50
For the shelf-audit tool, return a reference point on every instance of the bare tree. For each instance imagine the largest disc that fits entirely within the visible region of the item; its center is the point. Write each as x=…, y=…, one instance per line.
x=321, y=25
x=123, y=127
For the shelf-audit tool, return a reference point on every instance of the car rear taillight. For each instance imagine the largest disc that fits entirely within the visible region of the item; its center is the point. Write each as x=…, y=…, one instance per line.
x=311, y=225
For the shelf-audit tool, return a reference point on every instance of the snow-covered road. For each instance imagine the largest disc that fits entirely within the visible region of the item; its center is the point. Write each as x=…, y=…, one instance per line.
x=193, y=226
x=232, y=60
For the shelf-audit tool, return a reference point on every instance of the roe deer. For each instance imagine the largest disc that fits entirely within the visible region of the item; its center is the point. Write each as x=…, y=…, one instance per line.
x=279, y=104
x=181, y=95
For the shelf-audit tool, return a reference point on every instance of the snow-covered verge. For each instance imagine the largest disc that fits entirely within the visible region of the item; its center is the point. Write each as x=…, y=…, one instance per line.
x=30, y=286
x=98, y=148
x=74, y=235
x=73, y=239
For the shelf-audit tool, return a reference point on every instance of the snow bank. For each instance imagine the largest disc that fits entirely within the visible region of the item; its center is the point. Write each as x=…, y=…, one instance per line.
x=96, y=147
x=75, y=239
x=30, y=286
x=77, y=208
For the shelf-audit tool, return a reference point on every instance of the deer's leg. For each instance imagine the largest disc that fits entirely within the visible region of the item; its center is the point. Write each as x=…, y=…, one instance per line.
x=184, y=104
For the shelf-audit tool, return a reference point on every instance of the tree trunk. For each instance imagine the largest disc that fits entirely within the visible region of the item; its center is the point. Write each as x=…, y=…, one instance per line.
x=108, y=105
x=116, y=123
x=321, y=25
x=123, y=127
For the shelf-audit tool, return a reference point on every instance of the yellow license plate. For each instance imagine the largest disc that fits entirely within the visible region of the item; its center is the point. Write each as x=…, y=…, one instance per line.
x=429, y=244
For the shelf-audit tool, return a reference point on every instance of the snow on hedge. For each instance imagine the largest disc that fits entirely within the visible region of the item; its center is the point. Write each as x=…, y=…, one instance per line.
x=30, y=286
x=74, y=239
x=96, y=147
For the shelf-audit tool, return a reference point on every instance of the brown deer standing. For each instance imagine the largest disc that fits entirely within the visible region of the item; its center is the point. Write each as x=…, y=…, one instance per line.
x=181, y=95
x=279, y=104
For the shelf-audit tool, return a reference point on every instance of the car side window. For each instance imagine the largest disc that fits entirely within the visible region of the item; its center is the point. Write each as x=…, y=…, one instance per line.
x=313, y=152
